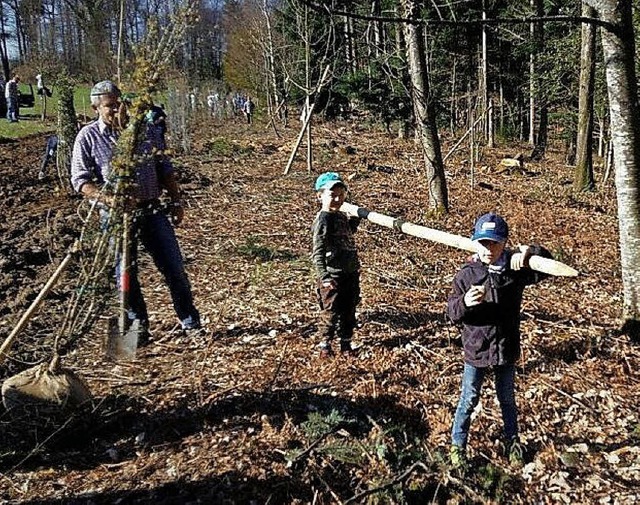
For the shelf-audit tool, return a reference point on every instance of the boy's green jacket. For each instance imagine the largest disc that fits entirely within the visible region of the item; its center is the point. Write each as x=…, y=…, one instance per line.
x=334, y=249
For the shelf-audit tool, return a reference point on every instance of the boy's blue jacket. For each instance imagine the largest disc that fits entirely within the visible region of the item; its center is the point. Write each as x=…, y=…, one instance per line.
x=491, y=330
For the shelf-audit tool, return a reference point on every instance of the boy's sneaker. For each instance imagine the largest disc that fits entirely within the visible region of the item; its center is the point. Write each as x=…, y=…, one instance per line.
x=41, y=175
x=191, y=326
x=458, y=459
x=326, y=352
x=349, y=352
x=515, y=452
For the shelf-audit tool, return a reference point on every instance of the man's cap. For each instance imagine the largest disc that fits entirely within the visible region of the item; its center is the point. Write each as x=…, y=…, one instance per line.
x=105, y=88
x=490, y=226
x=328, y=180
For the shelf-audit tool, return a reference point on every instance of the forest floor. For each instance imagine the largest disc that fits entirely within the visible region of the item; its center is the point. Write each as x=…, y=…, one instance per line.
x=247, y=412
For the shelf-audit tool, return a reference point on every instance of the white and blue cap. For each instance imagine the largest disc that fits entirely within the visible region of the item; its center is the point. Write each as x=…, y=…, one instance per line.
x=490, y=226
x=328, y=180
x=105, y=88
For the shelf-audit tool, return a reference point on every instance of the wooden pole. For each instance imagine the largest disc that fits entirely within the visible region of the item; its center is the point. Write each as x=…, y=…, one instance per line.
x=306, y=121
x=453, y=149
x=538, y=263
x=6, y=345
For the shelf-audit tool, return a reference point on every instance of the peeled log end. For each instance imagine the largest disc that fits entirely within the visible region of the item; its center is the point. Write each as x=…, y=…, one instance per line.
x=552, y=267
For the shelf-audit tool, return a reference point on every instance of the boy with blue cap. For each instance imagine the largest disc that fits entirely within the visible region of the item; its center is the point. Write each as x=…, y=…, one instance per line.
x=336, y=264
x=486, y=299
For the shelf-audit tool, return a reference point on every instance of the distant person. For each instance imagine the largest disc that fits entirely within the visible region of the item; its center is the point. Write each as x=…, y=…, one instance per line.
x=49, y=154
x=248, y=109
x=156, y=121
x=3, y=103
x=11, y=95
x=42, y=90
x=486, y=298
x=336, y=264
x=91, y=169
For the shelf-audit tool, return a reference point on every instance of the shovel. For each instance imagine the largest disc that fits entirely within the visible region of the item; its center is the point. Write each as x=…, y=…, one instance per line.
x=122, y=339
x=6, y=345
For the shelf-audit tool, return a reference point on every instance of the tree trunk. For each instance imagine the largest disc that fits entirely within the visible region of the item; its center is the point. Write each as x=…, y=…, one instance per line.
x=618, y=45
x=583, y=176
x=424, y=110
x=270, y=54
x=540, y=142
x=3, y=47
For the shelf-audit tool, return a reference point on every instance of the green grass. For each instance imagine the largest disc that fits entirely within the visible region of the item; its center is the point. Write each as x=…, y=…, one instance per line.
x=30, y=122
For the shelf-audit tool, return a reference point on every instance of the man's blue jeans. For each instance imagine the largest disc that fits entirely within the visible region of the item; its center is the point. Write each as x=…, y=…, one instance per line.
x=472, y=379
x=156, y=233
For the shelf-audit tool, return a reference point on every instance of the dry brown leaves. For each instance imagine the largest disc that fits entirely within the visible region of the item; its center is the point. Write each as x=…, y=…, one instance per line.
x=228, y=416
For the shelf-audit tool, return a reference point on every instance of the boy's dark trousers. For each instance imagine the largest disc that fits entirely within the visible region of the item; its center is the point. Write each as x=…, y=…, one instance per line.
x=338, y=304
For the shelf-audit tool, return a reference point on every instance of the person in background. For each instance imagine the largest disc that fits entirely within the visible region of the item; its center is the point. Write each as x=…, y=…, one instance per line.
x=49, y=154
x=485, y=299
x=11, y=96
x=42, y=90
x=248, y=109
x=336, y=264
x=156, y=121
x=3, y=103
x=90, y=170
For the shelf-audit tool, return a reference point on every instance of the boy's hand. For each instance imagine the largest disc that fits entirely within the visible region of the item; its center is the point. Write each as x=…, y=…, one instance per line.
x=326, y=199
x=474, y=296
x=329, y=283
x=520, y=259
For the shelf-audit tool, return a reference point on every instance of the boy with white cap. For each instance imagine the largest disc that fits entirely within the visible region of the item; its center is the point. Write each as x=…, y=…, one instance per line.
x=336, y=263
x=486, y=299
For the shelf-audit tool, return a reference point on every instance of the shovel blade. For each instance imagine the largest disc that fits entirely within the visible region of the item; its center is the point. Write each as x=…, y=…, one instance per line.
x=122, y=344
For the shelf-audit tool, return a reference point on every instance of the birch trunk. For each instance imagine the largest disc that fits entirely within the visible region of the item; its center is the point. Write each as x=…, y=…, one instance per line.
x=270, y=56
x=618, y=47
x=583, y=176
x=424, y=111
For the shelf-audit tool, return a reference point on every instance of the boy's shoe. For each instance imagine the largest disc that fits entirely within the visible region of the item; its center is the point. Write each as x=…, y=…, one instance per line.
x=458, y=459
x=515, y=452
x=41, y=175
x=190, y=323
x=349, y=352
x=326, y=352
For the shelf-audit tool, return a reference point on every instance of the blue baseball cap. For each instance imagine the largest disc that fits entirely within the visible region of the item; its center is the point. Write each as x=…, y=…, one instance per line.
x=328, y=180
x=490, y=226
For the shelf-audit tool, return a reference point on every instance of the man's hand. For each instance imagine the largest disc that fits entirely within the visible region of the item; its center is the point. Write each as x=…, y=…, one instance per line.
x=520, y=259
x=177, y=213
x=474, y=296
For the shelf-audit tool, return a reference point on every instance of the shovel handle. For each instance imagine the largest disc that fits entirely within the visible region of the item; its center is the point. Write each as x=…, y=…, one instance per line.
x=125, y=273
x=6, y=345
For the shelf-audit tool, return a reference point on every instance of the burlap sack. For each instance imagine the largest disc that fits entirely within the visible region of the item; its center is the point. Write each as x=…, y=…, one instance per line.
x=45, y=387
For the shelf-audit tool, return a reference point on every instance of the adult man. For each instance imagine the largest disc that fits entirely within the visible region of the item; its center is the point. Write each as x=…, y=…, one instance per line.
x=11, y=95
x=90, y=169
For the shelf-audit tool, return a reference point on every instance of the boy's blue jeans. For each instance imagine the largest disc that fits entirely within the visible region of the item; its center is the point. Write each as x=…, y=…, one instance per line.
x=156, y=233
x=472, y=379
